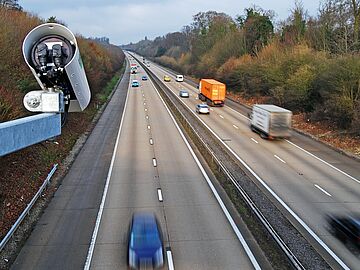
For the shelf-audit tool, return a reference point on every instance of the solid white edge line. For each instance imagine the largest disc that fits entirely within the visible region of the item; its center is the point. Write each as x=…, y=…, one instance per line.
x=160, y=197
x=262, y=182
x=217, y=196
x=323, y=161
x=170, y=260
x=323, y=190
x=101, y=208
x=312, y=155
x=255, y=141
x=283, y=161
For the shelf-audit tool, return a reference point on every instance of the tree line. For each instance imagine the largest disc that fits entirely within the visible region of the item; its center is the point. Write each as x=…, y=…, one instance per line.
x=101, y=60
x=306, y=64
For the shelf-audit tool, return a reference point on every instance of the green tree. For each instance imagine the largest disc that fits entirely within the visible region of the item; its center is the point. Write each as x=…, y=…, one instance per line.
x=294, y=30
x=258, y=29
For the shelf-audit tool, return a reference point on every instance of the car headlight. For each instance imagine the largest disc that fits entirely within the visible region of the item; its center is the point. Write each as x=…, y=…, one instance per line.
x=158, y=258
x=132, y=258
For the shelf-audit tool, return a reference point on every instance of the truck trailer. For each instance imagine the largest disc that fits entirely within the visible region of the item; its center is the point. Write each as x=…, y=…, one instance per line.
x=212, y=91
x=270, y=121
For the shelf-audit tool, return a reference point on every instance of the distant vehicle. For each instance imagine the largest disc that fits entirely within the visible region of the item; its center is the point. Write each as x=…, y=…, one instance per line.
x=133, y=69
x=144, y=78
x=167, y=78
x=202, y=108
x=212, y=91
x=184, y=93
x=270, y=121
x=179, y=78
x=135, y=83
x=145, y=244
x=346, y=228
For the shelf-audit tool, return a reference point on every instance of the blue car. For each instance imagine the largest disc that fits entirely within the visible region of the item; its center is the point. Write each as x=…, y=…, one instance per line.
x=145, y=244
x=144, y=78
x=135, y=83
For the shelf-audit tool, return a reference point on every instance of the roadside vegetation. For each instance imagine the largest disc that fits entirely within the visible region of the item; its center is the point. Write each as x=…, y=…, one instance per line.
x=22, y=173
x=310, y=65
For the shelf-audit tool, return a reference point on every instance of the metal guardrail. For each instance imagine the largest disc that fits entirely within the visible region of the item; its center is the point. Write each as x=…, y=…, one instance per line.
x=27, y=209
x=290, y=255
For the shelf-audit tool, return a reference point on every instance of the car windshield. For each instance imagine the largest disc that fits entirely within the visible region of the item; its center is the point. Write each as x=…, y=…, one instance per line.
x=203, y=106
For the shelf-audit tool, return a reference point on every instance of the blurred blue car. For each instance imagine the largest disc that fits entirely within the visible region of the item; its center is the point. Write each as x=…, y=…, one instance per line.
x=144, y=78
x=135, y=83
x=145, y=244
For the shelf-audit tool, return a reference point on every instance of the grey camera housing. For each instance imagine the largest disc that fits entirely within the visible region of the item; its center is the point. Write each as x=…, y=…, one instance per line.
x=69, y=80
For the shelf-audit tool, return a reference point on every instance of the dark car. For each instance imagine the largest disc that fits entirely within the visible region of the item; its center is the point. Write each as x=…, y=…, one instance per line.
x=346, y=227
x=144, y=78
x=145, y=244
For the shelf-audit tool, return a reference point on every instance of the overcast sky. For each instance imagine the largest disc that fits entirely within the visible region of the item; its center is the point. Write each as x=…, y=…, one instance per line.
x=130, y=21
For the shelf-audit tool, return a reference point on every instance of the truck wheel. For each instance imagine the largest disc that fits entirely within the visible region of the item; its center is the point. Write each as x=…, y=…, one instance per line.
x=263, y=136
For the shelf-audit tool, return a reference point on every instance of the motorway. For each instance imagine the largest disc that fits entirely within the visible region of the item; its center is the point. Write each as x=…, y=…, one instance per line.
x=151, y=156
x=144, y=163
x=311, y=179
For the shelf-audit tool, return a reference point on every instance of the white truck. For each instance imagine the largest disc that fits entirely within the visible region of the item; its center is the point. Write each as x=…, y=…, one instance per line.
x=270, y=121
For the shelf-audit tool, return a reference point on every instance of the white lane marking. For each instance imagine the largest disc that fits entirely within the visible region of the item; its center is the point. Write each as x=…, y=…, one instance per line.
x=170, y=260
x=221, y=116
x=279, y=158
x=323, y=190
x=217, y=196
x=151, y=141
x=159, y=194
x=148, y=127
x=147, y=117
x=144, y=103
x=101, y=208
x=238, y=113
x=154, y=162
x=307, y=152
x=145, y=110
x=235, y=126
x=323, y=161
x=211, y=109
x=262, y=182
x=255, y=141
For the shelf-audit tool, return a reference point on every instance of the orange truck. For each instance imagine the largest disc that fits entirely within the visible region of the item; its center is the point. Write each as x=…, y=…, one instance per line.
x=212, y=91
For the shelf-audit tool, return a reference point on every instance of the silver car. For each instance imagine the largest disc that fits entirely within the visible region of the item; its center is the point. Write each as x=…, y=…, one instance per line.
x=202, y=108
x=184, y=93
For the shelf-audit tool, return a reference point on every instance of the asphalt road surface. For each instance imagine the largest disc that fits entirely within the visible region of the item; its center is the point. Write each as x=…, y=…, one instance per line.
x=151, y=157
x=61, y=238
x=194, y=226
x=310, y=178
